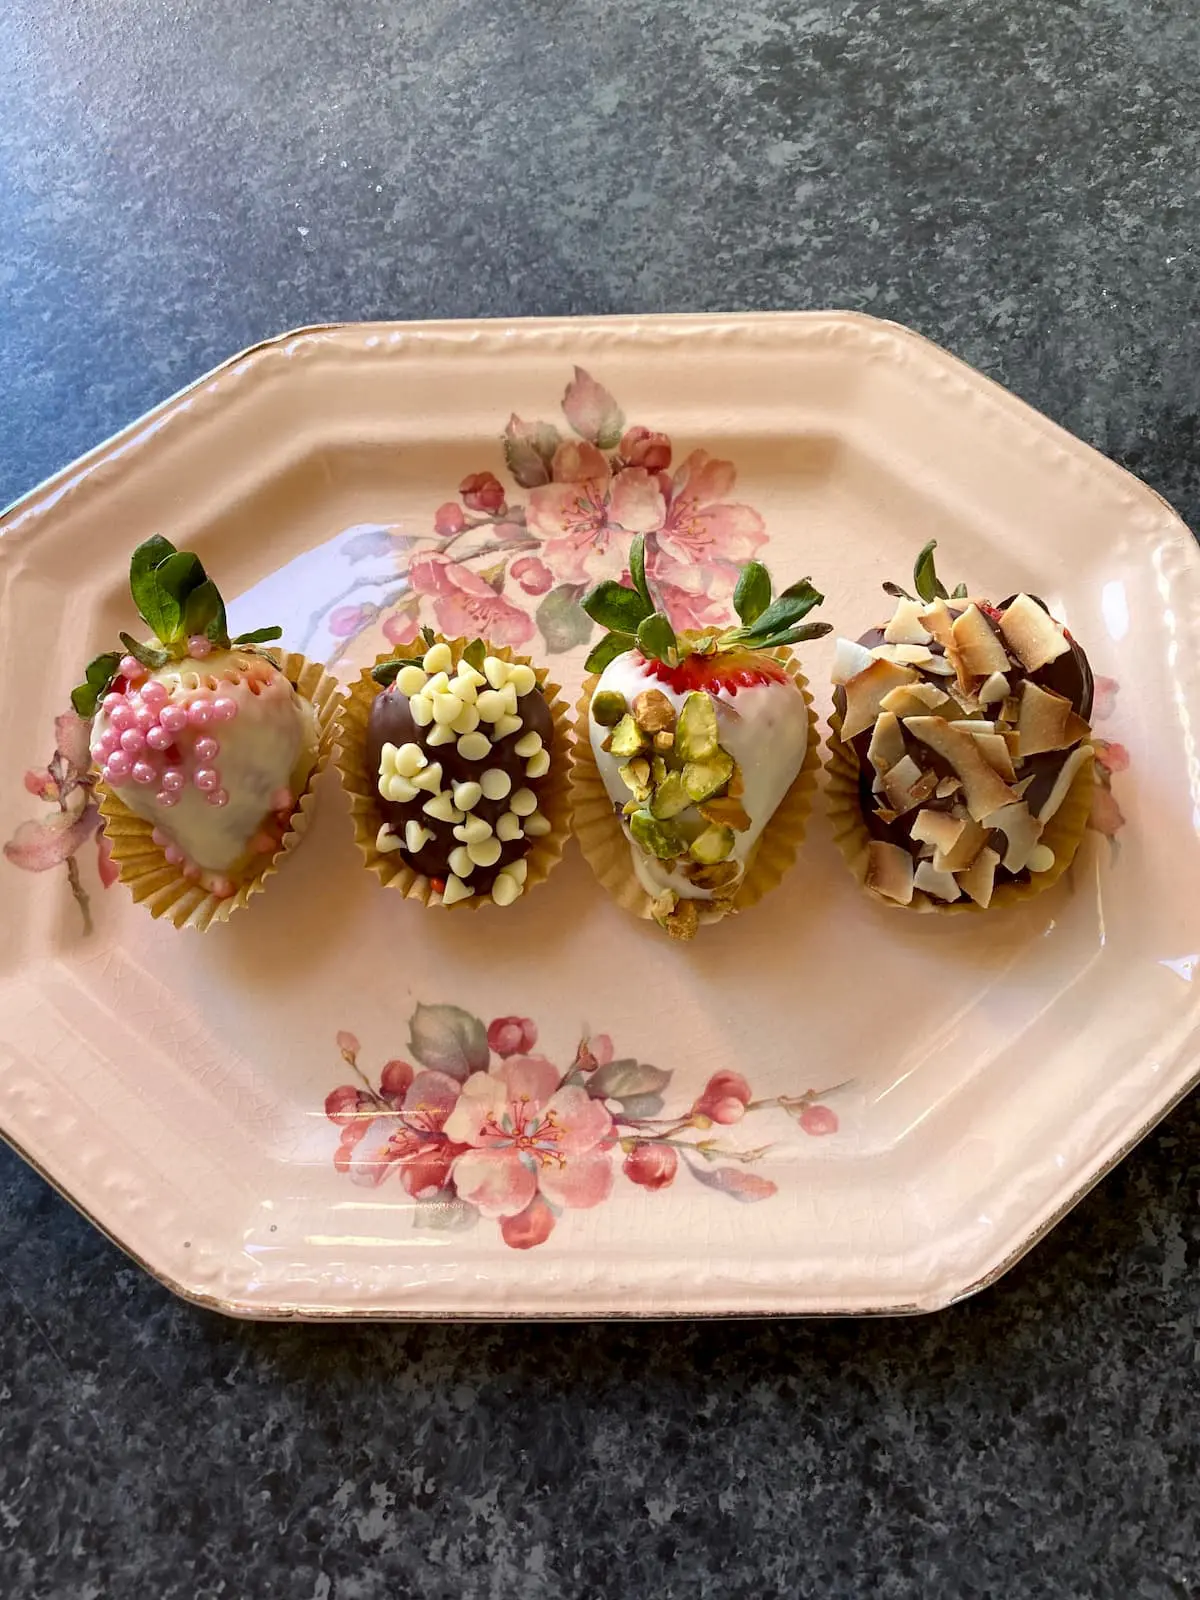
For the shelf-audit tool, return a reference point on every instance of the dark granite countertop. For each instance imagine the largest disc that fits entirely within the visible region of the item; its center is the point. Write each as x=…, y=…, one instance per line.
x=179, y=178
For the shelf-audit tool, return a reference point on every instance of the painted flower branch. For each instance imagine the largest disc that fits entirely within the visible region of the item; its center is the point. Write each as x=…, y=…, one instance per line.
x=482, y=1126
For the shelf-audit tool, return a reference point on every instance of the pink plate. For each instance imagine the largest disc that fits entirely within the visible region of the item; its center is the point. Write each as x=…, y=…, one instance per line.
x=822, y=1106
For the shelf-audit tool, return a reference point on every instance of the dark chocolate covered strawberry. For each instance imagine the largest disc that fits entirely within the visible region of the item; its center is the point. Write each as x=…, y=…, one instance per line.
x=458, y=748
x=967, y=722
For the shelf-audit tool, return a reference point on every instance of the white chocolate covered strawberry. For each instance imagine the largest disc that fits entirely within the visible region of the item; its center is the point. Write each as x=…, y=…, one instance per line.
x=199, y=735
x=697, y=739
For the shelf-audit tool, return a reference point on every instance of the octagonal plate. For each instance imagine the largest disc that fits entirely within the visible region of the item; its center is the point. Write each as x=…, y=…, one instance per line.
x=921, y=1099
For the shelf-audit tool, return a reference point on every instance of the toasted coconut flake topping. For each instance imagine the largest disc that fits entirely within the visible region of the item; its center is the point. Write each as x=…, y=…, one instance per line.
x=984, y=790
x=939, y=619
x=890, y=872
x=865, y=692
x=1021, y=829
x=941, y=885
x=849, y=659
x=1046, y=722
x=979, y=879
x=1078, y=758
x=914, y=700
x=887, y=743
x=938, y=828
x=906, y=626
x=976, y=651
x=993, y=689
x=905, y=787
x=1032, y=634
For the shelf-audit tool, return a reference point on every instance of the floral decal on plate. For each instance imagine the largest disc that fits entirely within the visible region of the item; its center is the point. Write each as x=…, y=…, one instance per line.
x=509, y=566
x=480, y=1125
x=1111, y=758
x=66, y=782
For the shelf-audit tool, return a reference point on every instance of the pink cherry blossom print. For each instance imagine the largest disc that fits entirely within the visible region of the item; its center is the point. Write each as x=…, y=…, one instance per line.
x=507, y=1136
x=818, y=1121
x=528, y=1136
x=512, y=1036
x=466, y=604
x=482, y=491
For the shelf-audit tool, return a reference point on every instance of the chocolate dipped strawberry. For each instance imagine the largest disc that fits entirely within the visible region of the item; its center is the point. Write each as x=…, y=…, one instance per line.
x=696, y=738
x=198, y=734
x=961, y=740
x=455, y=770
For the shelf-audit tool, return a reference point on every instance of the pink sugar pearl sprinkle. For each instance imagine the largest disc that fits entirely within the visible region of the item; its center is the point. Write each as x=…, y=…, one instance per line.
x=159, y=738
x=221, y=887
x=174, y=718
x=167, y=797
x=207, y=750
x=173, y=780
x=206, y=779
x=123, y=716
x=106, y=744
x=118, y=767
x=199, y=713
x=225, y=708
x=132, y=669
x=218, y=797
x=133, y=741
x=173, y=854
x=143, y=772
x=155, y=695
x=199, y=647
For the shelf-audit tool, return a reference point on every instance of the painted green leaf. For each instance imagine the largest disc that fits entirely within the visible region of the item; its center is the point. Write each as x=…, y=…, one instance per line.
x=475, y=654
x=621, y=1079
x=449, y=1040
x=562, y=620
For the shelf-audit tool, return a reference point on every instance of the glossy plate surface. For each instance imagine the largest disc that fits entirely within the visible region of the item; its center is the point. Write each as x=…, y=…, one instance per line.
x=819, y=1107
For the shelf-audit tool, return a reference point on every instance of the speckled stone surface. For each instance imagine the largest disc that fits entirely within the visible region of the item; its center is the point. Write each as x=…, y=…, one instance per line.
x=1016, y=180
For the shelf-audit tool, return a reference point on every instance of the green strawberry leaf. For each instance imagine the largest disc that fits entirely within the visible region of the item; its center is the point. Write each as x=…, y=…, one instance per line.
x=615, y=607
x=753, y=593
x=609, y=648
x=97, y=676
x=144, y=586
x=797, y=635
x=637, y=568
x=259, y=636
x=150, y=658
x=656, y=639
x=475, y=654
x=204, y=612
x=925, y=578
x=388, y=671
x=792, y=606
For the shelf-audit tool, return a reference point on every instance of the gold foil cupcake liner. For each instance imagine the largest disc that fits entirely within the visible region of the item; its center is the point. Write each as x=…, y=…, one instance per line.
x=350, y=741
x=160, y=886
x=1063, y=833
x=607, y=848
